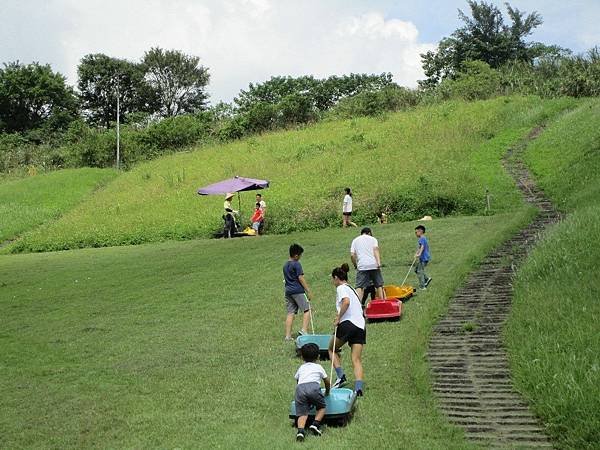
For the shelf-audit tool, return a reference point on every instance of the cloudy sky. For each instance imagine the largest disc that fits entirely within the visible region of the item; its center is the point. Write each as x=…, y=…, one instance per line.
x=243, y=41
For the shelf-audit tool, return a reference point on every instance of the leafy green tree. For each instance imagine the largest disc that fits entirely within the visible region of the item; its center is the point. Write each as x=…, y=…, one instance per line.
x=32, y=96
x=101, y=79
x=484, y=37
x=177, y=80
x=321, y=93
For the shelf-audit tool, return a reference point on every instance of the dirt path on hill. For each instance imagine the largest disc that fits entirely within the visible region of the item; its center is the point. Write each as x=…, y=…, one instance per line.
x=469, y=363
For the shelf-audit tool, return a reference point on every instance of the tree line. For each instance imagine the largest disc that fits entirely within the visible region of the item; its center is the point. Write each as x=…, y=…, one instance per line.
x=164, y=83
x=164, y=103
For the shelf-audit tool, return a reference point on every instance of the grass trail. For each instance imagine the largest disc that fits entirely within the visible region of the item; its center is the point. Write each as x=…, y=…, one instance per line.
x=180, y=344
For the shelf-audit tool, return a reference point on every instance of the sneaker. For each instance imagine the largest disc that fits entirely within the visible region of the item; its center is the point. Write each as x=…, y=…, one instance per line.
x=422, y=288
x=339, y=382
x=300, y=436
x=428, y=281
x=288, y=339
x=359, y=393
x=315, y=430
x=301, y=332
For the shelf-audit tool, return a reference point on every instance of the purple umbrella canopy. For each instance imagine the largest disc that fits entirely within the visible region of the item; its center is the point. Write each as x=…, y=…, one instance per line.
x=235, y=184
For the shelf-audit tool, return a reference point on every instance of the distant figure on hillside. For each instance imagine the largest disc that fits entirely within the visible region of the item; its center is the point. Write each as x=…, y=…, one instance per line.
x=257, y=218
x=297, y=293
x=227, y=204
x=263, y=208
x=366, y=258
x=423, y=255
x=230, y=225
x=347, y=209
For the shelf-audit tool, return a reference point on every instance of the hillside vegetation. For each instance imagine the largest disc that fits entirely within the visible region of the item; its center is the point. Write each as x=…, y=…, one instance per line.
x=553, y=330
x=29, y=202
x=180, y=345
x=435, y=160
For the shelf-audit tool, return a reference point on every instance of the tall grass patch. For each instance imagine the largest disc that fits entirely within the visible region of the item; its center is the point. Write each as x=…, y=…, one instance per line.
x=552, y=334
x=29, y=202
x=553, y=331
x=436, y=160
x=566, y=158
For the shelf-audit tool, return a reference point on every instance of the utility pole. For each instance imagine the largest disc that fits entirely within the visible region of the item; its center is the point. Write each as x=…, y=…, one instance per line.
x=118, y=130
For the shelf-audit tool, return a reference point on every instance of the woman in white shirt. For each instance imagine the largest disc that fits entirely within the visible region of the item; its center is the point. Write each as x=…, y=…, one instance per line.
x=347, y=209
x=350, y=328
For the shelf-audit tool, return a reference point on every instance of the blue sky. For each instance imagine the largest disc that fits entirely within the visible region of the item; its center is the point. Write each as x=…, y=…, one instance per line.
x=243, y=41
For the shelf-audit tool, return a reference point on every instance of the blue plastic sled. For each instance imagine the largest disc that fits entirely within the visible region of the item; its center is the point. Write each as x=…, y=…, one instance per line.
x=340, y=407
x=322, y=340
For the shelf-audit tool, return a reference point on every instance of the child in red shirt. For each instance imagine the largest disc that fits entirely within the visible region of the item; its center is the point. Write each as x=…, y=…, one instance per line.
x=257, y=218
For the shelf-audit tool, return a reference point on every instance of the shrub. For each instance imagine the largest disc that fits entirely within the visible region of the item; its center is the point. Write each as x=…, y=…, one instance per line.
x=294, y=109
x=177, y=132
x=371, y=103
x=17, y=153
x=233, y=128
x=476, y=81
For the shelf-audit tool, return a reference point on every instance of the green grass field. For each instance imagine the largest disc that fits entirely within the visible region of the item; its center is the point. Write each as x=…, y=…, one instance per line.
x=553, y=333
x=29, y=202
x=180, y=345
x=434, y=160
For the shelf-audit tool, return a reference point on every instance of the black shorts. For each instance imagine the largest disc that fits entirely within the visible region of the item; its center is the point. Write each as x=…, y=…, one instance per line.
x=350, y=333
x=347, y=214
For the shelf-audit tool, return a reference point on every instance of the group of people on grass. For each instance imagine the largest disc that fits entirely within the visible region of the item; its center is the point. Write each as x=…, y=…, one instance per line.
x=258, y=215
x=257, y=220
x=349, y=322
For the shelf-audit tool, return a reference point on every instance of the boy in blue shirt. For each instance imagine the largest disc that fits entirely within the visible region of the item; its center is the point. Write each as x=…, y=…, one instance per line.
x=423, y=255
x=297, y=293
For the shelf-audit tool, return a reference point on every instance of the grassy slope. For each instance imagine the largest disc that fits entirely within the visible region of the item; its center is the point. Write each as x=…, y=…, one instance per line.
x=553, y=333
x=440, y=157
x=180, y=344
x=29, y=202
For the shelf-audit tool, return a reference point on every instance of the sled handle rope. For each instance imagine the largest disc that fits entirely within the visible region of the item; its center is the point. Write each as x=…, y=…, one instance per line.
x=333, y=354
x=312, y=325
x=409, y=269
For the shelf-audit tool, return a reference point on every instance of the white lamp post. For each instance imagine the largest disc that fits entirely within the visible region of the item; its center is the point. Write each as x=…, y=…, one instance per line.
x=118, y=130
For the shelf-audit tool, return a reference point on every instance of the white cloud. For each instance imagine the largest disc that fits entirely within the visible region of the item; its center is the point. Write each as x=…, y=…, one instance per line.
x=373, y=25
x=241, y=41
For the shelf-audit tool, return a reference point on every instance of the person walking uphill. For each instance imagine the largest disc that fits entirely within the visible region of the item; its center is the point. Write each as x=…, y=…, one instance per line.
x=347, y=209
x=424, y=257
x=350, y=328
x=366, y=258
x=297, y=292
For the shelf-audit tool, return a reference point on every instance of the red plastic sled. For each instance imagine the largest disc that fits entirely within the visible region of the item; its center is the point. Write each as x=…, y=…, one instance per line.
x=384, y=309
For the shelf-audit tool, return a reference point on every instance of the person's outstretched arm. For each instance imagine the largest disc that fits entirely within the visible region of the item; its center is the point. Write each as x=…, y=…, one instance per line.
x=327, y=383
x=305, y=286
x=353, y=259
x=419, y=251
x=343, y=308
x=377, y=256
